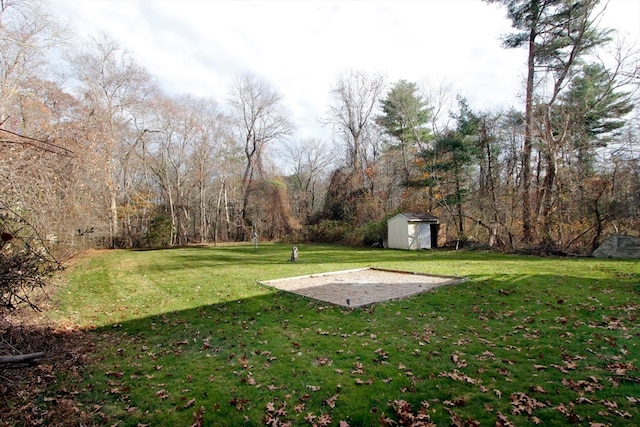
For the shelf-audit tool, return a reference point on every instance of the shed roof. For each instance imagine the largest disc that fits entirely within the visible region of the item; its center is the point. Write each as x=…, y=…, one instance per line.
x=419, y=217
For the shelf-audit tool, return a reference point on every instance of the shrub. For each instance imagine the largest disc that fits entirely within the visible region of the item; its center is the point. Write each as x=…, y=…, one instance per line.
x=25, y=262
x=159, y=235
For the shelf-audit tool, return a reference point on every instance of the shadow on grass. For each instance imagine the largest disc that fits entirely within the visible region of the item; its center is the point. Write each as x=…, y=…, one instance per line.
x=236, y=358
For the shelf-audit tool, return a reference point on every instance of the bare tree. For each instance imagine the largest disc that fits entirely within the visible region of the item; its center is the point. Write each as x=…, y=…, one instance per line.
x=309, y=161
x=356, y=96
x=441, y=99
x=115, y=92
x=173, y=152
x=212, y=134
x=27, y=33
x=258, y=119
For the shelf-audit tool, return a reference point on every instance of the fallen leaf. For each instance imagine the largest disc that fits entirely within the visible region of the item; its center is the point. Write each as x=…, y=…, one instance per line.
x=323, y=361
x=622, y=414
x=537, y=389
x=331, y=401
x=358, y=369
x=324, y=420
x=503, y=421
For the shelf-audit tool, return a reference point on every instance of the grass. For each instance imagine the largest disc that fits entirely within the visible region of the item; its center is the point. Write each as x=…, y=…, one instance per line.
x=187, y=336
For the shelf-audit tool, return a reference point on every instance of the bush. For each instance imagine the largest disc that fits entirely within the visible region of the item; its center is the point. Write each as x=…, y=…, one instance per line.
x=346, y=233
x=159, y=235
x=373, y=232
x=327, y=232
x=25, y=262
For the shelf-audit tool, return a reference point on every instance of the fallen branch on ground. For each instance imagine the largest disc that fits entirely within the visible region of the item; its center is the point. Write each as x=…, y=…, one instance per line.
x=21, y=358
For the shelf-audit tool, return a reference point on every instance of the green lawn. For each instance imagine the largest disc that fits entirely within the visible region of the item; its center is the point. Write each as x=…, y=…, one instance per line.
x=188, y=336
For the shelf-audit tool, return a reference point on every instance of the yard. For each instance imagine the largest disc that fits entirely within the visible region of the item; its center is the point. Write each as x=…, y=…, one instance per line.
x=192, y=337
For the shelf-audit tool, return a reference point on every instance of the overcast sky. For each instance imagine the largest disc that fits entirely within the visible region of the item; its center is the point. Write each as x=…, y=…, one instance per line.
x=300, y=47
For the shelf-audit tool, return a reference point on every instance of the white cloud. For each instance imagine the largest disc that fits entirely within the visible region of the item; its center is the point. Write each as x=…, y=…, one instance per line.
x=199, y=47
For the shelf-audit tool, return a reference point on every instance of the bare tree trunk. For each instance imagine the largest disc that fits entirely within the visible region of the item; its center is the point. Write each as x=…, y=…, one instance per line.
x=547, y=196
x=495, y=220
x=204, y=224
x=113, y=210
x=172, y=212
x=527, y=235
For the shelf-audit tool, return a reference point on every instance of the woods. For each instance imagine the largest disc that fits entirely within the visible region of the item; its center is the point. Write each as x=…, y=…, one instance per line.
x=96, y=154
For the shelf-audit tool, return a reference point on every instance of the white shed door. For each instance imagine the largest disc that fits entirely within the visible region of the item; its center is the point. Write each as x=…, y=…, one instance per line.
x=424, y=239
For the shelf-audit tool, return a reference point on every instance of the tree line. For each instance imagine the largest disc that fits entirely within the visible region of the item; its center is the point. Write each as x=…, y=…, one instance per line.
x=95, y=154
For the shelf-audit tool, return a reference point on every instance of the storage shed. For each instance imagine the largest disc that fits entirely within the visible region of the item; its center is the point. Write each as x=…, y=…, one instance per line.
x=413, y=231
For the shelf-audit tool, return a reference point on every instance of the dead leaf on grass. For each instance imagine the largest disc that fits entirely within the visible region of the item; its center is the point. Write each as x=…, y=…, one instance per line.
x=460, y=363
x=524, y=404
x=503, y=421
x=560, y=368
x=537, y=389
x=572, y=417
x=331, y=401
x=323, y=361
x=324, y=420
x=456, y=402
x=457, y=376
x=358, y=369
x=238, y=403
x=504, y=372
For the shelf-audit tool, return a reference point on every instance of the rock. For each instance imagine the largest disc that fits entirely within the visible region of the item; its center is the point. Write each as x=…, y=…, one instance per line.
x=617, y=246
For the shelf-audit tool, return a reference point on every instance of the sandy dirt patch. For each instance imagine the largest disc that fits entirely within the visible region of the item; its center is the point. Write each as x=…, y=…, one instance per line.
x=364, y=286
